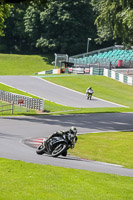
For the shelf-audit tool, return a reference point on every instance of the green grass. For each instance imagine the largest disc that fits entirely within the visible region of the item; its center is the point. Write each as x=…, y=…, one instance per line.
x=12, y=64
x=17, y=110
x=14, y=90
x=104, y=88
x=20, y=180
x=110, y=147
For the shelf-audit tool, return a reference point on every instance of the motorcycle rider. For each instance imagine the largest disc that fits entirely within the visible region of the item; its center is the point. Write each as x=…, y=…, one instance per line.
x=72, y=130
x=89, y=91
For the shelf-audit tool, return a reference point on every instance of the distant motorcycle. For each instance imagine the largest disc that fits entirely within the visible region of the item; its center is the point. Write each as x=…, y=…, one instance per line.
x=89, y=94
x=57, y=145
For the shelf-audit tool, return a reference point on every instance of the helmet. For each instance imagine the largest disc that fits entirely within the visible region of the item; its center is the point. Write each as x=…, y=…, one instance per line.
x=73, y=130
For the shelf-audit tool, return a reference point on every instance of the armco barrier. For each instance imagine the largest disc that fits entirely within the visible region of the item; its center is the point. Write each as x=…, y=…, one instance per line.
x=112, y=74
x=118, y=76
x=79, y=70
x=28, y=102
x=49, y=71
x=52, y=71
x=96, y=71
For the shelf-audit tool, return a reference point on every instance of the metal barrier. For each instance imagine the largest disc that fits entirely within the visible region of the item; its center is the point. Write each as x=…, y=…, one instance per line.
x=79, y=70
x=122, y=77
x=28, y=102
x=6, y=109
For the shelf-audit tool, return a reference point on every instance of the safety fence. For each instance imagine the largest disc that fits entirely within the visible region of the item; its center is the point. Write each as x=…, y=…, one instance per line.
x=6, y=108
x=27, y=102
x=76, y=70
x=122, y=77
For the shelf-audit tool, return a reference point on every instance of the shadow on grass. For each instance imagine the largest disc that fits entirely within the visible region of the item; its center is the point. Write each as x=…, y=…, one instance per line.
x=48, y=58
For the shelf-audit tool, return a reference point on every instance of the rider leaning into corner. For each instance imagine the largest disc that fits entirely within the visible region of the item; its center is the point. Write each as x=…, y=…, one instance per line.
x=72, y=130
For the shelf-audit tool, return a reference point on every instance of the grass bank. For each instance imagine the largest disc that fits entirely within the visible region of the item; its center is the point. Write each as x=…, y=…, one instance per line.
x=20, y=180
x=12, y=64
x=110, y=147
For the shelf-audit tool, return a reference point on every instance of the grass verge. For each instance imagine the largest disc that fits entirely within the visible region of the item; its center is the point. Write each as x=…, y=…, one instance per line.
x=110, y=147
x=20, y=180
x=12, y=64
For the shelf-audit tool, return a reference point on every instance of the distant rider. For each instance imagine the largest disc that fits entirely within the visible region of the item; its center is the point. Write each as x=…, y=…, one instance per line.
x=89, y=90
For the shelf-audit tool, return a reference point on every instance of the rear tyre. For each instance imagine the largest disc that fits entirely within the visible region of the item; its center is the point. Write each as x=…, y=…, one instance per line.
x=59, y=149
x=40, y=150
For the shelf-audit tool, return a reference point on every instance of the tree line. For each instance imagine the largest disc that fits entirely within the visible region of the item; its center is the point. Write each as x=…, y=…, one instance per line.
x=47, y=26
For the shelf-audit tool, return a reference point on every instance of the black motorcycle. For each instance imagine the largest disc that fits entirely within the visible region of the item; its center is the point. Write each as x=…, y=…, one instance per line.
x=57, y=145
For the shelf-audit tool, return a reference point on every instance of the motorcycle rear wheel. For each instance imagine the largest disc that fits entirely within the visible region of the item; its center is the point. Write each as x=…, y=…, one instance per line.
x=41, y=149
x=59, y=149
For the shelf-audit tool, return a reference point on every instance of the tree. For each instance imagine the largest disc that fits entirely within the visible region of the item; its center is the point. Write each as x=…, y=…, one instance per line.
x=60, y=26
x=5, y=6
x=24, y=1
x=4, y=12
x=63, y=26
x=114, y=20
x=15, y=38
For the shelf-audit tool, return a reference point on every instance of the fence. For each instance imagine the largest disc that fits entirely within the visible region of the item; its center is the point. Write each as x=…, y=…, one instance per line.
x=28, y=102
x=118, y=76
x=9, y=107
x=125, y=76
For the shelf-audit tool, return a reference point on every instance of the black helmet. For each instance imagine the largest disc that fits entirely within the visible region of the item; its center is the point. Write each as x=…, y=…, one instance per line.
x=73, y=130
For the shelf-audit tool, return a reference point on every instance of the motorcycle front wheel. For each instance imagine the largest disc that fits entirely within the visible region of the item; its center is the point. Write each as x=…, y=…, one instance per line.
x=41, y=149
x=59, y=149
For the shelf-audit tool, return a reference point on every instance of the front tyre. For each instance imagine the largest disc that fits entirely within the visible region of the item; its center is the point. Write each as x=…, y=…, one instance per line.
x=41, y=149
x=59, y=149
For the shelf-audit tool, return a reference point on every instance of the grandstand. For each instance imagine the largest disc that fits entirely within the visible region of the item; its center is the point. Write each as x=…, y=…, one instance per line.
x=112, y=57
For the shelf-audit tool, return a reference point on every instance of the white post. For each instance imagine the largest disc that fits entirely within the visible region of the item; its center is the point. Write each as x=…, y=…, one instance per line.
x=88, y=40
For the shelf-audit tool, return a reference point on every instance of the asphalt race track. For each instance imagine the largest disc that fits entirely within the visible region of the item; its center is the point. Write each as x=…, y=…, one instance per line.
x=20, y=135
x=53, y=92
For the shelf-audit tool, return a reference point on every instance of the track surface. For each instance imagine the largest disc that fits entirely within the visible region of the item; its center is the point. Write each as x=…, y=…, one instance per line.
x=18, y=133
x=53, y=92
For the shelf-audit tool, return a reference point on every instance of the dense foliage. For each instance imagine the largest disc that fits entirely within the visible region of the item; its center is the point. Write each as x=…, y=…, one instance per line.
x=114, y=20
x=4, y=11
x=60, y=26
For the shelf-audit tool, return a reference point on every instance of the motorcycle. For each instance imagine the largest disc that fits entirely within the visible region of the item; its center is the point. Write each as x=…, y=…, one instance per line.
x=57, y=145
x=89, y=94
